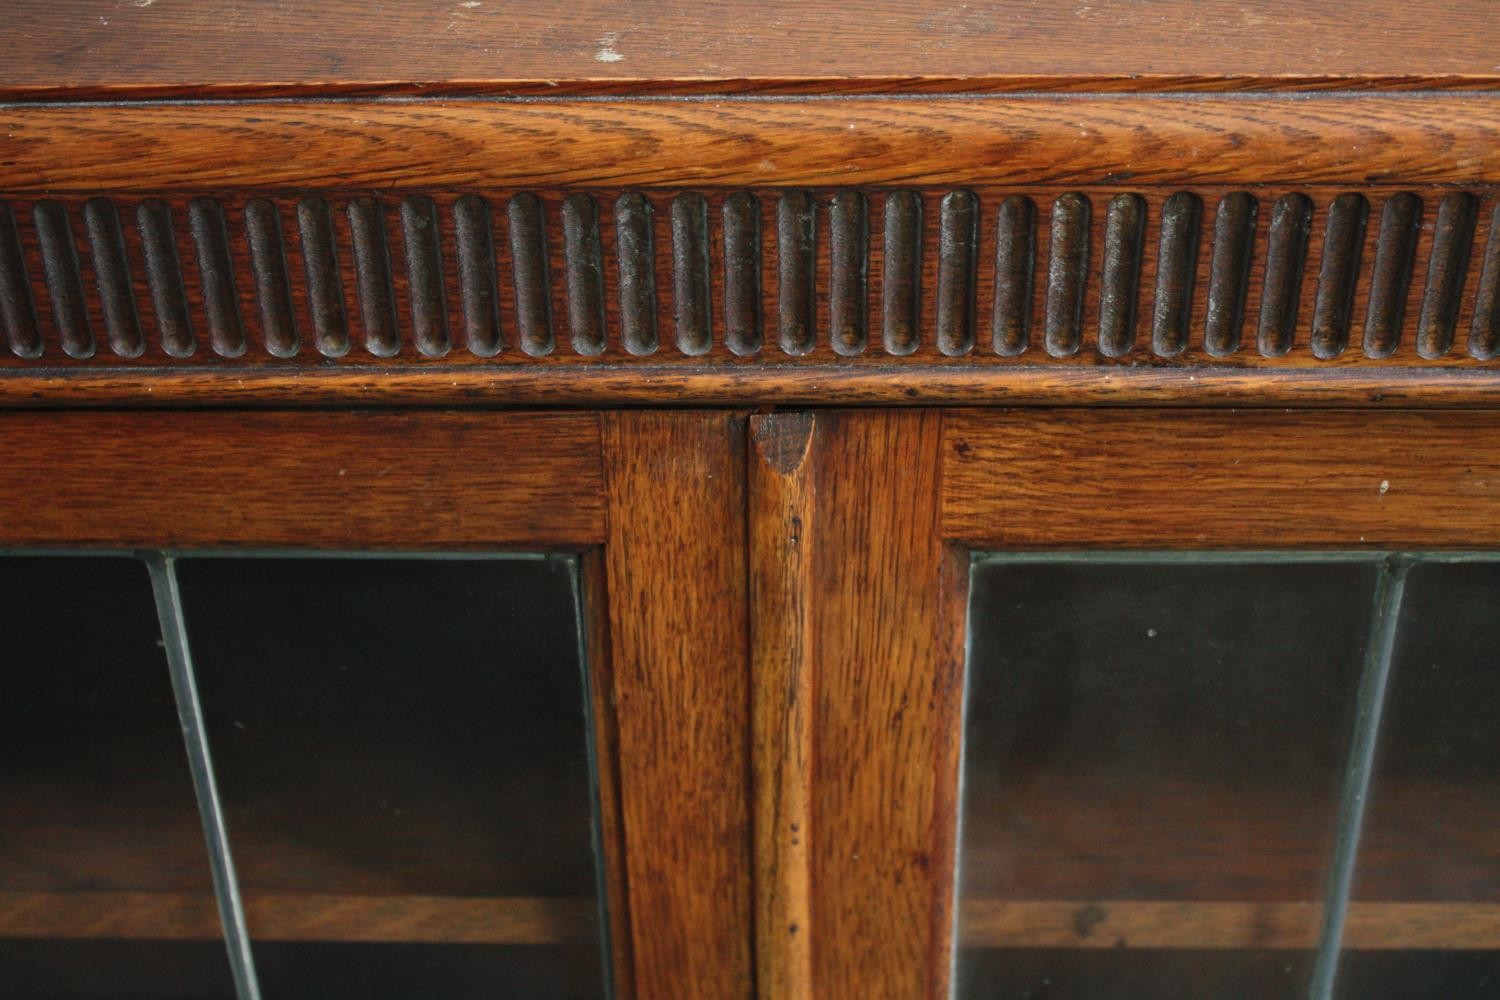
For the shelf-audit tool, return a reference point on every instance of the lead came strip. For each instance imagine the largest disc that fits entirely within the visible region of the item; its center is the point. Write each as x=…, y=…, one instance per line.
x=1373, y=684
x=164, y=587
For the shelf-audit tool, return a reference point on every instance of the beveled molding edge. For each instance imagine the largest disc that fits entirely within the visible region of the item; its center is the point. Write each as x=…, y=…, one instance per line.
x=1015, y=140
x=758, y=385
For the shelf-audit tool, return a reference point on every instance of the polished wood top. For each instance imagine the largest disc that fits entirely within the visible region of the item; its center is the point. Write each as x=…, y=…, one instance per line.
x=159, y=48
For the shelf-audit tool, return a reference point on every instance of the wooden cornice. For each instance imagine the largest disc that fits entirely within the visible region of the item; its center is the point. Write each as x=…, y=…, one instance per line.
x=1144, y=248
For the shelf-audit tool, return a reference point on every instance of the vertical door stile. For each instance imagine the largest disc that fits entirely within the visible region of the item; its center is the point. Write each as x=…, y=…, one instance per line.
x=782, y=499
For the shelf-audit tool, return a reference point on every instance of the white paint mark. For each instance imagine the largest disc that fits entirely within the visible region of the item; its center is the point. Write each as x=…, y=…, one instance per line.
x=1385, y=484
x=607, y=53
x=142, y=3
x=471, y=4
x=1151, y=633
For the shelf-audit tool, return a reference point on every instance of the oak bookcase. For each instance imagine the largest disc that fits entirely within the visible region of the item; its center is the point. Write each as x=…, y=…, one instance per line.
x=785, y=500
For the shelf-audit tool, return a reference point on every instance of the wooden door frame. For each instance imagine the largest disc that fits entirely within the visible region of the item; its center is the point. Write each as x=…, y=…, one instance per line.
x=862, y=527
x=651, y=502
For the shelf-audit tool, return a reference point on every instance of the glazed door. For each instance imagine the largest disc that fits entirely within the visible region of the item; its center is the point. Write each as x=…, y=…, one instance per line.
x=1127, y=704
x=354, y=704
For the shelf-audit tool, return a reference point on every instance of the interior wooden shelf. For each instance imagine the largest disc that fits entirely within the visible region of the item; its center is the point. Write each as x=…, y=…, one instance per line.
x=1088, y=862
x=517, y=920
x=79, y=865
x=299, y=917
x=1094, y=838
x=1192, y=925
x=327, y=840
x=443, y=889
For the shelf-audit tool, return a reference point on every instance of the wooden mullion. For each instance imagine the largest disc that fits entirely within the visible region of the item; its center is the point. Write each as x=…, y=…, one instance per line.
x=675, y=565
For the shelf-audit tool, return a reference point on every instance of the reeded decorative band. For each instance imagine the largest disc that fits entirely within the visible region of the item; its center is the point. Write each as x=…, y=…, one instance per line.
x=971, y=276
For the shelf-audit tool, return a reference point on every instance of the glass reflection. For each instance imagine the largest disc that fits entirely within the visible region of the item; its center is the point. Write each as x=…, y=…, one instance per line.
x=1152, y=762
x=1432, y=826
x=403, y=754
x=104, y=881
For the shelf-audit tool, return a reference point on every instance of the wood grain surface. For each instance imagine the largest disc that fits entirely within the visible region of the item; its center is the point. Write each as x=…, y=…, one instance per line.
x=690, y=385
x=179, y=916
x=74, y=47
x=594, y=585
x=1166, y=232
x=888, y=653
x=1455, y=926
x=1341, y=138
x=679, y=646
x=783, y=506
x=1089, y=839
x=164, y=916
x=302, y=480
x=1123, y=479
